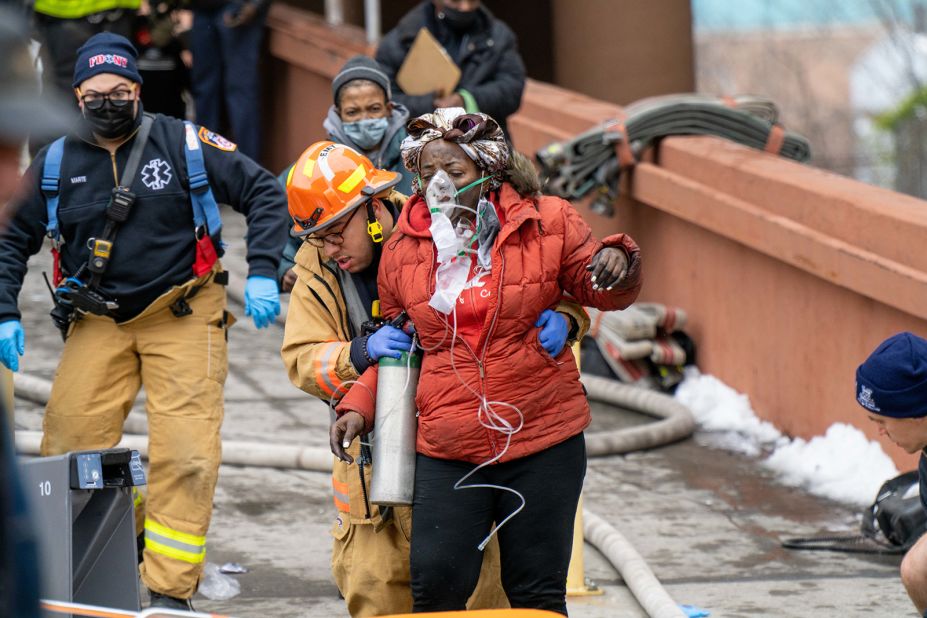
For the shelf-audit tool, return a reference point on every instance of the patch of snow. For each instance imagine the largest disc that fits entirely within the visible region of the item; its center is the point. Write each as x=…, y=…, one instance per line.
x=841, y=465
x=719, y=408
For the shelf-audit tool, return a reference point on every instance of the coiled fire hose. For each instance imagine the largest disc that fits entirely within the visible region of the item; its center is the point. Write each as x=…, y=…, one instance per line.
x=592, y=162
x=675, y=423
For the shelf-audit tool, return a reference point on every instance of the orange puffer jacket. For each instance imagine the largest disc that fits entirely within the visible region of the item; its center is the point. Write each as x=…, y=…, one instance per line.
x=541, y=252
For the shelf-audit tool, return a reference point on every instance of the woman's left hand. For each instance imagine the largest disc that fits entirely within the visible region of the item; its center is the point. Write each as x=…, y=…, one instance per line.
x=609, y=268
x=342, y=432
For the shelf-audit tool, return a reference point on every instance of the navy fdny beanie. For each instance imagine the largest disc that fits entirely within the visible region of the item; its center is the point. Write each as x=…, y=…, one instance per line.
x=106, y=53
x=893, y=380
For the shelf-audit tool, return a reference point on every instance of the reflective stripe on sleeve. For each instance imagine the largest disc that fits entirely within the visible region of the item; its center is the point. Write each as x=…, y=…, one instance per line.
x=326, y=377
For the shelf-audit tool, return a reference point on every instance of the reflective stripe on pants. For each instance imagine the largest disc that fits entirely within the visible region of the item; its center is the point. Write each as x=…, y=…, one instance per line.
x=174, y=543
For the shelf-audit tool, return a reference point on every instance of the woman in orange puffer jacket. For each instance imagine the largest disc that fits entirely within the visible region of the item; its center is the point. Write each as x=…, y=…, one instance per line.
x=489, y=396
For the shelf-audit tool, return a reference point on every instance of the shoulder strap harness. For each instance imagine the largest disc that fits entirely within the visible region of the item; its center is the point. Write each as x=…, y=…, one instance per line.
x=206, y=217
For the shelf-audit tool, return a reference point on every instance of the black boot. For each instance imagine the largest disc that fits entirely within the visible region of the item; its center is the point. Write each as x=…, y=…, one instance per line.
x=162, y=600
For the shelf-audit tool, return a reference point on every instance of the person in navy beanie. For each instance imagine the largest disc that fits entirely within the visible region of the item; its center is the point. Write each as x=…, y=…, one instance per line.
x=106, y=53
x=146, y=306
x=61, y=27
x=892, y=386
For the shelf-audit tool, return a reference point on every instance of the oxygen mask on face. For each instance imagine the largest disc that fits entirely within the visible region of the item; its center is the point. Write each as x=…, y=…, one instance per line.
x=441, y=198
x=453, y=242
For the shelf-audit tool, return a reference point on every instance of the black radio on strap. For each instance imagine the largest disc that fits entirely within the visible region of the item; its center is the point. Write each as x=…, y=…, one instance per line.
x=119, y=207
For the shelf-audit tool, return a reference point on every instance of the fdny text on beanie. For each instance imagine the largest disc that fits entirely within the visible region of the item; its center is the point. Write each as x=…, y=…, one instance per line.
x=106, y=53
x=893, y=380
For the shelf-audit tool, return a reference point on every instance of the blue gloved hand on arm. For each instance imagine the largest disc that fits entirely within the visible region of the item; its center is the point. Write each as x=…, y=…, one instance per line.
x=388, y=341
x=12, y=343
x=262, y=300
x=554, y=331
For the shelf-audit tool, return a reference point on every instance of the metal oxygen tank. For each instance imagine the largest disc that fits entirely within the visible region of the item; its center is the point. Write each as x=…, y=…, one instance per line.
x=394, y=431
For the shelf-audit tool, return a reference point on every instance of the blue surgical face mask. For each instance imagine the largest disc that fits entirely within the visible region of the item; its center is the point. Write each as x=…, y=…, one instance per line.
x=366, y=133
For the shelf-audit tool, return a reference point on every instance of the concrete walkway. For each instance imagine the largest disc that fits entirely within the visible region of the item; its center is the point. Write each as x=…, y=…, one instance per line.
x=707, y=521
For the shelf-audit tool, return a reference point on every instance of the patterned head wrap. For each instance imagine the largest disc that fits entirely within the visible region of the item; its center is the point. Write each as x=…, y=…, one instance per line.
x=477, y=134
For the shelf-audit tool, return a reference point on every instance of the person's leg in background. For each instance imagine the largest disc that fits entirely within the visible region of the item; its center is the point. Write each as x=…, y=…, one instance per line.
x=59, y=40
x=205, y=45
x=241, y=48
x=536, y=543
x=447, y=527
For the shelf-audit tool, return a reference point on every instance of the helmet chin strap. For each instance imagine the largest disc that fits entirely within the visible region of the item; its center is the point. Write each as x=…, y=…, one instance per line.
x=374, y=227
x=375, y=231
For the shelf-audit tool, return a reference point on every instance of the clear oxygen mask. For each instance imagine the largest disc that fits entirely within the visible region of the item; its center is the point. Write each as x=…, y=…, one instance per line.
x=441, y=197
x=453, y=242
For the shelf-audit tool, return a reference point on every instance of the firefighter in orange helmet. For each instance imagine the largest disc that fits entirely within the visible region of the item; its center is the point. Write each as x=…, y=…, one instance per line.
x=345, y=209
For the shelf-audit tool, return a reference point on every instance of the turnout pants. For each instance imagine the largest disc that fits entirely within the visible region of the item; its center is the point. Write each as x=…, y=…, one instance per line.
x=182, y=363
x=370, y=557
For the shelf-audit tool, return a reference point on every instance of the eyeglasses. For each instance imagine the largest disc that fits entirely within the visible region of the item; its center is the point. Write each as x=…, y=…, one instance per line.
x=118, y=98
x=335, y=238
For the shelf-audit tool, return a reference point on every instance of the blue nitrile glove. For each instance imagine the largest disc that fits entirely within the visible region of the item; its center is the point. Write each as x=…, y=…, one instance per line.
x=12, y=343
x=262, y=300
x=691, y=611
x=554, y=331
x=388, y=341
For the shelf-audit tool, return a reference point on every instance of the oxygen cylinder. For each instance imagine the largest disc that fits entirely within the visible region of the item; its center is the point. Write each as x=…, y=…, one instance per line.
x=394, y=431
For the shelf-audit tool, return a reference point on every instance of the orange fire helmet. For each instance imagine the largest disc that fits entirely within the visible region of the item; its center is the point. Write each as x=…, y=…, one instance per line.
x=328, y=182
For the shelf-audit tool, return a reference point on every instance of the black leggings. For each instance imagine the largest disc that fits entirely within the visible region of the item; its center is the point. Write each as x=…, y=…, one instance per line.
x=535, y=545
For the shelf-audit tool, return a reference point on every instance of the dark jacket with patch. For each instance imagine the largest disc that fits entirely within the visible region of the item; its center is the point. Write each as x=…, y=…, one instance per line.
x=154, y=249
x=491, y=68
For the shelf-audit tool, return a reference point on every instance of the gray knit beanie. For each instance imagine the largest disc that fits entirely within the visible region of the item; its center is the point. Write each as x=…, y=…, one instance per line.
x=361, y=67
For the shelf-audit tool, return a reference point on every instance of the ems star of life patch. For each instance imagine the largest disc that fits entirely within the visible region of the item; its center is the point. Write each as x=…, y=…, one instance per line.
x=215, y=140
x=156, y=174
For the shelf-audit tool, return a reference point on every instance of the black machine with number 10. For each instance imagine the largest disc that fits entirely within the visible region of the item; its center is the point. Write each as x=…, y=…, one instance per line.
x=84, y=515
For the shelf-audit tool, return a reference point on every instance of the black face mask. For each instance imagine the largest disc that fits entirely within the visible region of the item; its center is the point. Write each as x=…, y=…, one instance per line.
x=458, y=21
x=111, y=122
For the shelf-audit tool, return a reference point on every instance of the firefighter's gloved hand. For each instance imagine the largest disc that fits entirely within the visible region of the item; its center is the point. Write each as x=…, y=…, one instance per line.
x=554, y=331
x=12, y=343
x=388, y=341
x=262, y=300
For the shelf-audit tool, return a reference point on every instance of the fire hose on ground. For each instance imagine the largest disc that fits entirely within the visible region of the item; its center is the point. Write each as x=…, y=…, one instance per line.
x=674, y=423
